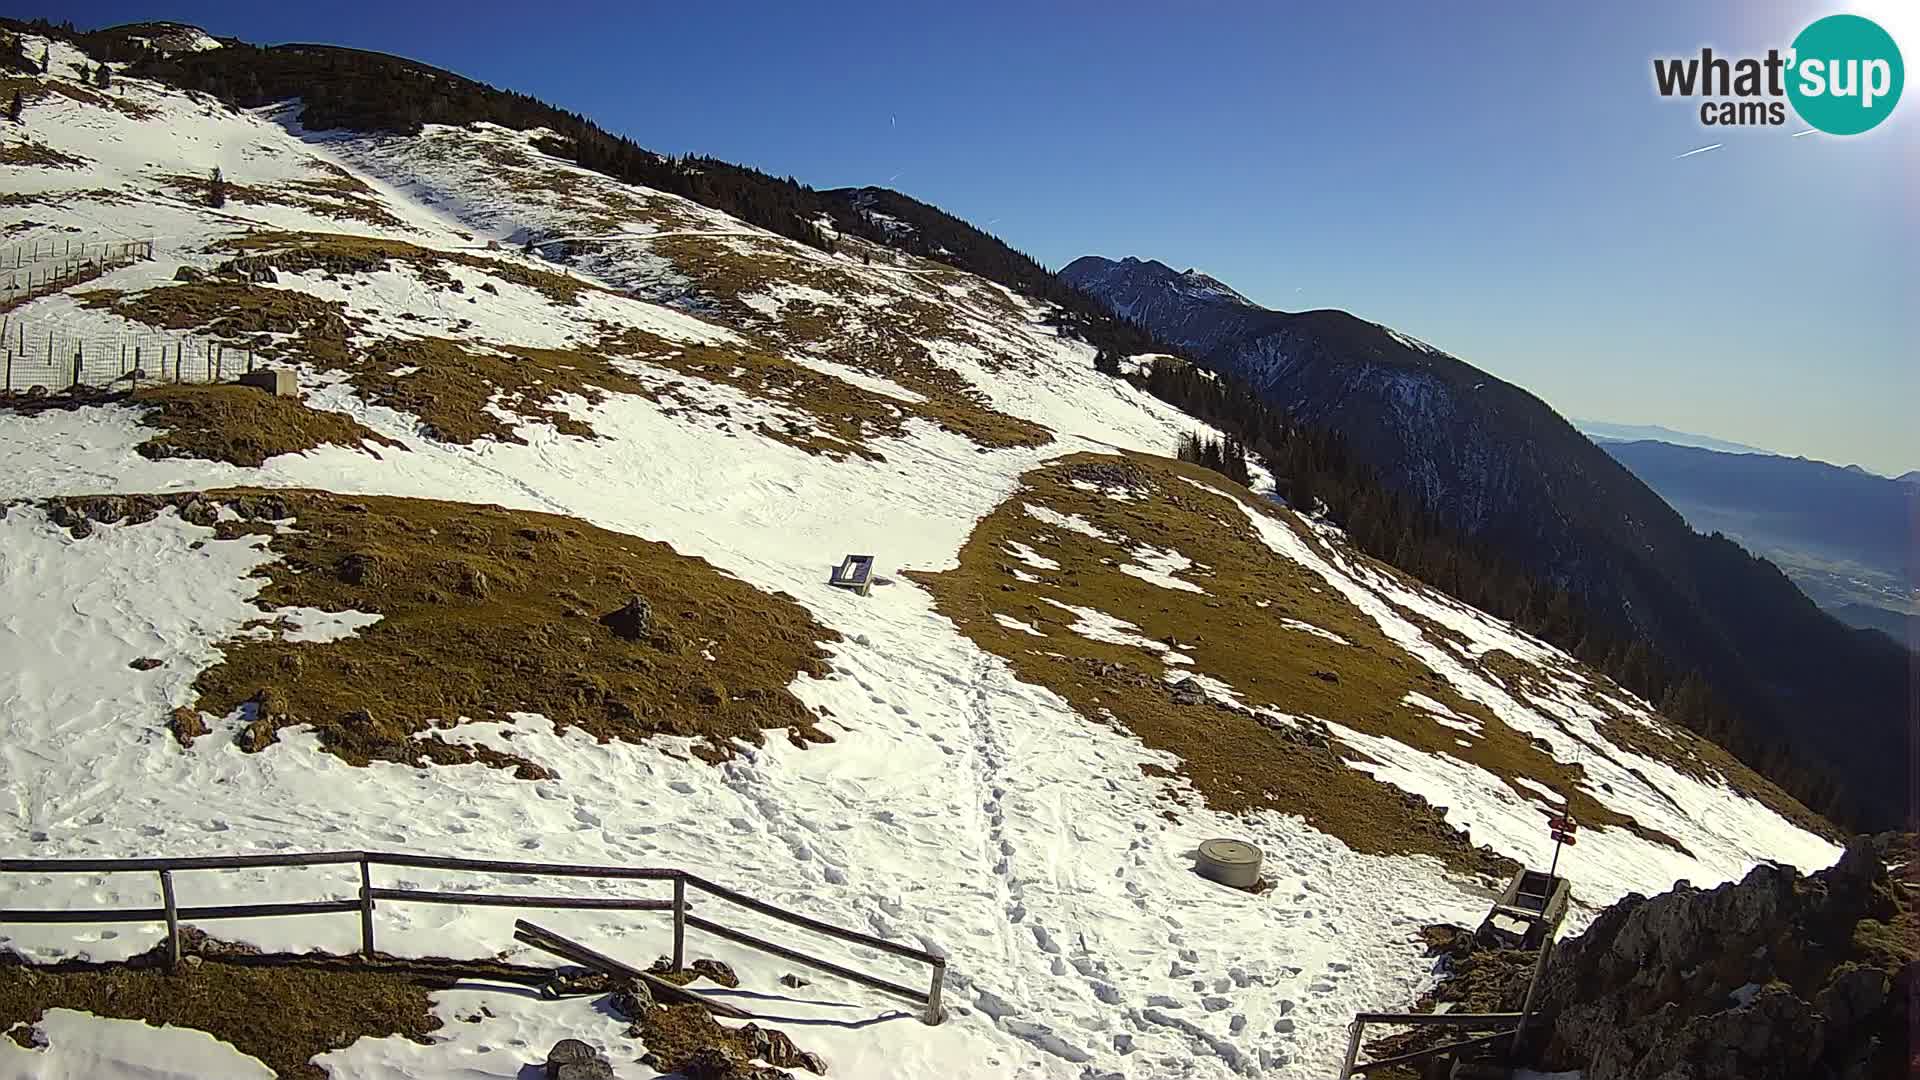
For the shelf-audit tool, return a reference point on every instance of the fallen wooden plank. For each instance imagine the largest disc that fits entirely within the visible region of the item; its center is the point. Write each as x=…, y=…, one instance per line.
x=547, y=941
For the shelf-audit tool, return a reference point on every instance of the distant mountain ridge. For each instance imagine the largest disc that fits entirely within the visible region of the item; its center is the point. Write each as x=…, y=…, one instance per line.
x=1500, y=464
x=1843, y=535
x=1606, y=431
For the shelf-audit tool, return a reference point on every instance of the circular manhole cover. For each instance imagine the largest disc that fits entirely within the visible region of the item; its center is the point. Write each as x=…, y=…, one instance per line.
x=1230, y=862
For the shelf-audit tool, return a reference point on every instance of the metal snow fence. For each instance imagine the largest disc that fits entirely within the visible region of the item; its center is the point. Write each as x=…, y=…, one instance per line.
x=57, y=360
x=26, y=269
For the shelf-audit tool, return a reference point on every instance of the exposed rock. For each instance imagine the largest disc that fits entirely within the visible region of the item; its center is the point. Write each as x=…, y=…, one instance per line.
x=633, y=621
x=793, y=981
x=256, y=736
x=186, y=725
x=145, y=663
x=474, y=583
x=714, y=1063
x=189, y=274
x=571, y=1059
x=198, y=512
x=1326, y=676
x=1109, y=474
x=631, y=1001
x=359, y=568
x=1188, y=692
x=1715, y=984
x=775, y=1048
x=716, y=971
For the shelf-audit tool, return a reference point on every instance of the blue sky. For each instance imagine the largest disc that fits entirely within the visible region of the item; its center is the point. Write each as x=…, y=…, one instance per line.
x=1498, y=179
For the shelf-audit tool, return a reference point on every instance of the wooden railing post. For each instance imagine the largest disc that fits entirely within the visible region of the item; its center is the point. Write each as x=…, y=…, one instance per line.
x=1353, y=1047
x=679, y=922
x=1533, y=989
x=933, y=993
x=366, y=909
x=173, y=918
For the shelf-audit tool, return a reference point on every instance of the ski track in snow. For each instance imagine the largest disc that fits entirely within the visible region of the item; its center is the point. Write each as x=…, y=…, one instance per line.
x=959, y=810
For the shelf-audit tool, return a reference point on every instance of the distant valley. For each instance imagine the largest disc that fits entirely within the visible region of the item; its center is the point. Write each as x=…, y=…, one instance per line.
x=1845, y=536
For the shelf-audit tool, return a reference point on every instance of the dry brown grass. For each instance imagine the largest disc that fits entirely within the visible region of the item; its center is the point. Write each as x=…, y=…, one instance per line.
x=339, y=253
x=39, y=155
x=33, y=90
x=14, y=200
x=226, y=309
x=282, y=1014
x=343, y=199
x=241, y=425
x=1233, y=761
x=488, y=611
x=885, y=341
x=457, y=388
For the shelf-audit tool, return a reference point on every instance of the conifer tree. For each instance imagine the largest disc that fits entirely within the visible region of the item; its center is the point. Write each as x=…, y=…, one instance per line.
x=13, y=108
x=217, y=190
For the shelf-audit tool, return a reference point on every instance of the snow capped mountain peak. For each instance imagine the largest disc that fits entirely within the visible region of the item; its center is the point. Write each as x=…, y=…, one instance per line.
x=1200, y=285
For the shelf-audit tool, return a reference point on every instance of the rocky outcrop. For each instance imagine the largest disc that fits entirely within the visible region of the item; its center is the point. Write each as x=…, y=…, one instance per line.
x=1776, y=977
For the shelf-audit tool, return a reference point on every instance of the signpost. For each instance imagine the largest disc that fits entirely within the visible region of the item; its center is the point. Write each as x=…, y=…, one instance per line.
x=1562, y=828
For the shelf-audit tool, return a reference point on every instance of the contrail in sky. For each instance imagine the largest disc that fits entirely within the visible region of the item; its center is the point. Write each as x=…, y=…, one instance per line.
x=1701, y=150
x=1809, y=131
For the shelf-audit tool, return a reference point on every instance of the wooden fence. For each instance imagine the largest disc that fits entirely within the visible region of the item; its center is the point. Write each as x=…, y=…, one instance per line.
x=370, y=896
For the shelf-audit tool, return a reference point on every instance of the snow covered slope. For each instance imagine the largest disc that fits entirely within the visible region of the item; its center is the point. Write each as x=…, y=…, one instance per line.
x=660, y=370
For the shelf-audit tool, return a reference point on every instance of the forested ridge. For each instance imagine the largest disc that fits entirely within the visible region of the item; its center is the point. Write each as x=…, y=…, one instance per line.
x=1315, y=469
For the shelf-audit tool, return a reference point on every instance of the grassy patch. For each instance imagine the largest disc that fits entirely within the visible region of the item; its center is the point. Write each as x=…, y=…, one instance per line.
x=227, y=309
x=465, y=390
x=687, y=1039
x=1234, y=760
x=487, y=611
x=282, y=1014
x=14, y=200
x=333, y=197
x=1687, y=753
x=338, y=253
x=885, y=341
x=34, y=154
x=241, y=425
x=33, y=90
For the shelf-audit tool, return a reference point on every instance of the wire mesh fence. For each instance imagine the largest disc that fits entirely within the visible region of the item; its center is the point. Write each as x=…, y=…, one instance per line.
x=55, y=361
x=26, y=269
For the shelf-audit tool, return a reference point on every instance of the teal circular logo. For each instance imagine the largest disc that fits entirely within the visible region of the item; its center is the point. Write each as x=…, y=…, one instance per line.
x=1846, y=74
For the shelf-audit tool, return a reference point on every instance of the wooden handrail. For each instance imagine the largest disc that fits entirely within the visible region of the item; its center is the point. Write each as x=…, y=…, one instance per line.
x=502, y=866
x=367, y=896
x=853, y=936
x=602, y=903
x=193, y=862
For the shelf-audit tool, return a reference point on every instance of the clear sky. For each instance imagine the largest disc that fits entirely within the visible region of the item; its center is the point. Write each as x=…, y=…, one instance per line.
x=1497, y=178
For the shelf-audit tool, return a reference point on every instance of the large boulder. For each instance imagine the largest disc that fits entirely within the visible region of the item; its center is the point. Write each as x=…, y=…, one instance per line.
x=632, y=621
x=1775, y=977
